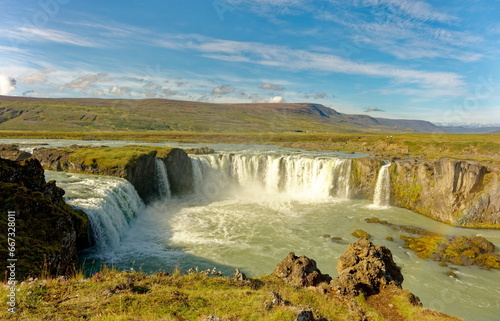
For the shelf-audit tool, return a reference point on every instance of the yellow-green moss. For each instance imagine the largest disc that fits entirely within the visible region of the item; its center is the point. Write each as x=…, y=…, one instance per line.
x=113, y=157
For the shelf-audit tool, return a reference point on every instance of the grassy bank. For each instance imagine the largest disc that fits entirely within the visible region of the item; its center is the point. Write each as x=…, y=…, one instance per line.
x=479, y=147
x=114, y=295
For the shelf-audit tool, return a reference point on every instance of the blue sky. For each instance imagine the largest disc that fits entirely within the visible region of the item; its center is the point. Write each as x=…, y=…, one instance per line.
x=433, y=60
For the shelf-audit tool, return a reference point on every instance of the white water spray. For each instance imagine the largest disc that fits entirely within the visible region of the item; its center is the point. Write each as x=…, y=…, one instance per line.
x=291, y=176
x=382, y=195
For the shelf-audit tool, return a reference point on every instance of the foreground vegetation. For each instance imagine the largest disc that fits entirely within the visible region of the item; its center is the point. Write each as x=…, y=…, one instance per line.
x=480, y=147
x=130, y=295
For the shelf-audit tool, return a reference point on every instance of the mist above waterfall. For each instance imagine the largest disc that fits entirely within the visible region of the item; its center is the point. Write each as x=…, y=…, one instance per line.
x=283, y=177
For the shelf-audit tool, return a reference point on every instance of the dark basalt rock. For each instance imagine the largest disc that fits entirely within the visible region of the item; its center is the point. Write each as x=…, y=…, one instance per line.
x=364, y=268
x=300, y=271
x=48, y=232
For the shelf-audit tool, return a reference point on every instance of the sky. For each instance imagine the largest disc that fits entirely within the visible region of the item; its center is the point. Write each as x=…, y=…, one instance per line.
x=410, y=59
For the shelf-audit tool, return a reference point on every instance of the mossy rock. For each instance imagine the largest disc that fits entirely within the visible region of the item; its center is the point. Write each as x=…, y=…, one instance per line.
x=361, y=234
x=458, y=250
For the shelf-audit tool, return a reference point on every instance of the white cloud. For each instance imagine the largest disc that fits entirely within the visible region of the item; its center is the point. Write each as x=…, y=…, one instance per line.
x=86, y=81
x=119, y=91
x=271, y=87
x=276, y=99
x=223, y=90
x=372, y=109
x=34, y=78
x=7, y=84
x=420, y=10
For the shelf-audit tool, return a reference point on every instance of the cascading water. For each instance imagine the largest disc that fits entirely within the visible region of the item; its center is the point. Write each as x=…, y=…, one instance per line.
x=110, y=203
x=295, y=177
x=247, y=229
x=382, y=194
x=162, y=179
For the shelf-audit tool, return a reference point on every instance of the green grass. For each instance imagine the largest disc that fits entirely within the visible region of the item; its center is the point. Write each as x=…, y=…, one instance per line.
x=479, y=147
x=115, y=295
x=113, y=157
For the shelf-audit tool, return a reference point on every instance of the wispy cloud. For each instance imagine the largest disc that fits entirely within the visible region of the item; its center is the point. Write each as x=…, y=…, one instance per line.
x=272, y=87
x=223, y=90
x=420, y=10
x=86, y=81
x=290, y=59
x=405, y=29
x=373, y=109
x=26, y=35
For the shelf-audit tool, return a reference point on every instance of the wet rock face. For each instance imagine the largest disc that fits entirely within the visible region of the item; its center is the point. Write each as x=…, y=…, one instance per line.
x=300, y=271
x=364, y=268
x=180, y=172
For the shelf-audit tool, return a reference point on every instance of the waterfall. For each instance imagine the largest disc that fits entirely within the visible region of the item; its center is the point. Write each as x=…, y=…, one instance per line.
x=298, y=177
x=162, y=179
x=382, y=188
x=113, y=203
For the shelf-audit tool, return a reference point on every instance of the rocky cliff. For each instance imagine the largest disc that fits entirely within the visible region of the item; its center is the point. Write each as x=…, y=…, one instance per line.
x=48, y=232
x=457, y=192
x=134, y=163
x=364, y=176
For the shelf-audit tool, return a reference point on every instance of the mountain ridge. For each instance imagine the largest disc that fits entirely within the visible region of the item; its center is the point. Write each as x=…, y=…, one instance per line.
x=97, y=114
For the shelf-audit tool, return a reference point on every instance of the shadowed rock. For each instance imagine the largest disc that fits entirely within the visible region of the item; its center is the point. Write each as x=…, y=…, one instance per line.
x=300, y=271
x=364, y=268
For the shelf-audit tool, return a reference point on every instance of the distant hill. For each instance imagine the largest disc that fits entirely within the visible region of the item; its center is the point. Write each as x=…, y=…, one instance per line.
x=417, y=125
x=91, y=114
x=470, y=130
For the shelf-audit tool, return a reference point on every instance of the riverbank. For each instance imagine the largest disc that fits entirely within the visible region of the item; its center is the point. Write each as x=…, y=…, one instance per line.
x=477, y=147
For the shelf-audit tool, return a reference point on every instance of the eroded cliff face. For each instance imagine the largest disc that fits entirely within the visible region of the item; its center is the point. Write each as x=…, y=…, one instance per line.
x=460, y=193
x=48, y=232
x=180, y=172
x=140, y=169
x=364, y=176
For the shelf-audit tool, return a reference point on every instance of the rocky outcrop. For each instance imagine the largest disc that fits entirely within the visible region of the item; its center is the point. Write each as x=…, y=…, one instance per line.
x=460, y=193
x=199, y=150
x=364, y=268
x=300, y=271
x=458, y=250
x=13, y=153
x=137, y=165
x=48, y=232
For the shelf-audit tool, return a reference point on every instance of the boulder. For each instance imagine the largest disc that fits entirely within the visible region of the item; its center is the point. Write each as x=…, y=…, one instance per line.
x=300, y=271
x=364, y=268
x=239, y=276
x=361, y=234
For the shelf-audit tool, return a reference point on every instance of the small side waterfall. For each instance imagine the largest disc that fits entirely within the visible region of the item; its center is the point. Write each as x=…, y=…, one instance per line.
x=113, y=203
x=297, y=177
x=162, y=179
x=382, y=195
